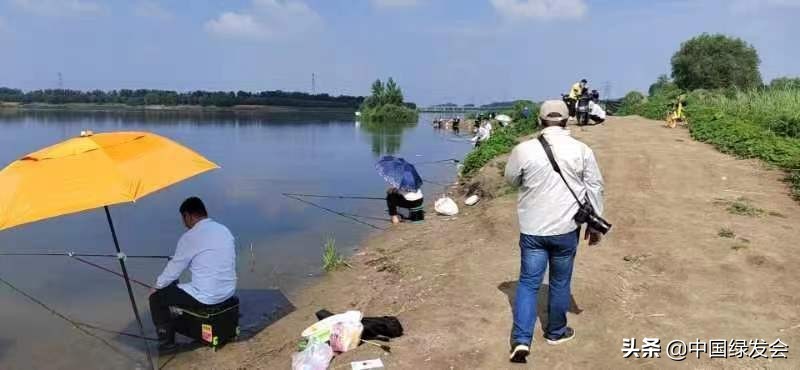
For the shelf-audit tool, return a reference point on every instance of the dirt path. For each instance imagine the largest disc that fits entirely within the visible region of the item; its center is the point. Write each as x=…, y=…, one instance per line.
x=664, y=272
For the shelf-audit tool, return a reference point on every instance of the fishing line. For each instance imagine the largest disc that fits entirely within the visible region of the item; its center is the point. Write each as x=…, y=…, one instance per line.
x=368, y=217
x=137, y=336
x=332, y=196
x=443, y=161
x=334, y=212
x=73, y=254
x=78, y=258
x=436, y=183
x=112, y=271
x=78, y=326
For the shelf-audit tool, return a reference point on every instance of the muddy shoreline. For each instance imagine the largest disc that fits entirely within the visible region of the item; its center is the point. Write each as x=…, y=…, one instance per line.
x=664, y=272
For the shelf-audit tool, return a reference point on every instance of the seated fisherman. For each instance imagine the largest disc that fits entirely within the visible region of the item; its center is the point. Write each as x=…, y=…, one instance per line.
x=410, y=200
x=207, y=249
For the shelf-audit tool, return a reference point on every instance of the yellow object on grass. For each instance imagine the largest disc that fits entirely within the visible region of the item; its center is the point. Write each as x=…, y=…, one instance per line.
x=92, y=171
x=677, y=115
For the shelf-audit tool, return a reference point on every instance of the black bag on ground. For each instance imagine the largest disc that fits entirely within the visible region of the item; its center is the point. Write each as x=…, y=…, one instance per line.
x=380, y=328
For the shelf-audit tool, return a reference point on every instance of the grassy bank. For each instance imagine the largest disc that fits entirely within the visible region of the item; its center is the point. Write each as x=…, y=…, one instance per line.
x=503, y=139
x=757, y=124
x=762, y=123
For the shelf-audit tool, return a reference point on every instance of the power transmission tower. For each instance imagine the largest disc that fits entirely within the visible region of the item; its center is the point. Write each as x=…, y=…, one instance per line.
x=314, y=83
x=60, y=81
x=606, y=93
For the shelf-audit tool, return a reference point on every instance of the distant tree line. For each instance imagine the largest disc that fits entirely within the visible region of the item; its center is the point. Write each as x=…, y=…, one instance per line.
x=171, y=98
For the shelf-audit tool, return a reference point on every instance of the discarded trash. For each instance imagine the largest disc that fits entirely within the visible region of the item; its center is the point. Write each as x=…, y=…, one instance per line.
x=321, y=330
x=381, y=328
x=346, y=335
x=446, y=207
x=366, y=365
x=384, y=347
x=472, y=200
x=316, y=356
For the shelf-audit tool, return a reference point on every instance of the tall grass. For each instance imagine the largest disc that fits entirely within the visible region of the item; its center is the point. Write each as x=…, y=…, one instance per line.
x=762, y=124
x=776, y=110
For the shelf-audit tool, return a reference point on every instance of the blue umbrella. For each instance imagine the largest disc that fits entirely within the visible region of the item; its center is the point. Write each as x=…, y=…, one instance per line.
x=399, y=173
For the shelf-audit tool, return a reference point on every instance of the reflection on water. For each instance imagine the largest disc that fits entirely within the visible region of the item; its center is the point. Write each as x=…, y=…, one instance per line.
x=279, y=240
x=386, y=138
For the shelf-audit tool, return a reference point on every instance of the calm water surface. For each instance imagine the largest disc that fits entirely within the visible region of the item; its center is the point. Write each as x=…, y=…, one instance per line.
x=260, y=158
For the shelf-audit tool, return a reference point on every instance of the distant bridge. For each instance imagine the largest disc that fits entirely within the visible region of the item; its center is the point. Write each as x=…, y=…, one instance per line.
x=457, y=110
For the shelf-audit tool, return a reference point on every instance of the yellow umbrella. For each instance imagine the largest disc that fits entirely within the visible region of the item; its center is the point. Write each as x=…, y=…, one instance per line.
x=92, y=171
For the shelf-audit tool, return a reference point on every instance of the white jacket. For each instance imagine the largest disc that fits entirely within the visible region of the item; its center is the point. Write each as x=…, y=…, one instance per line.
x=545, y=206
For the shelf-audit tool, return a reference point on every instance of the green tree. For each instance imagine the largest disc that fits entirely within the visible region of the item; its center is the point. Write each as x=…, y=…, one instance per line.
x=663, y=82
x=378, y=93
x=392, y=93
x=785, y=83
x=714, y=62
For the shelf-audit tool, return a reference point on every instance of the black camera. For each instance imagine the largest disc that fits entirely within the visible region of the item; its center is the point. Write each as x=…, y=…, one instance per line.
x=587, y=215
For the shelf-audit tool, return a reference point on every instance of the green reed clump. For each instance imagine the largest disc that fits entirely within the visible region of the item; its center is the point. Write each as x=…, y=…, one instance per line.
x=331, y=258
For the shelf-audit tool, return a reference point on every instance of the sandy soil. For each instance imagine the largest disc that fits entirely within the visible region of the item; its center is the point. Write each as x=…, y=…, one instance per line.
x=664, y=271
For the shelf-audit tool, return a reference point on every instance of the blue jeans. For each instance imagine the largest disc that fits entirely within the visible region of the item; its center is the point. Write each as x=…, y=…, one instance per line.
x=537, y=251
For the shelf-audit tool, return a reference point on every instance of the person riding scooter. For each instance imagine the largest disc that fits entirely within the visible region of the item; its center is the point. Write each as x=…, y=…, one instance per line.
x=575, y=93
x=582, y=109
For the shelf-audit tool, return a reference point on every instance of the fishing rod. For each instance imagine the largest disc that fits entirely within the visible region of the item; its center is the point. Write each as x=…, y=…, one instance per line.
x=332, y=196
x=75, y=324
x=73, y=254
x=342, y=214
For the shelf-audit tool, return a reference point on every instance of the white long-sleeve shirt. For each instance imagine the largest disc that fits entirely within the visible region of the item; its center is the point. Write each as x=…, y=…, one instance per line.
x=545, y=206
x=209, y=252
x=596, y=110
x=483, y=134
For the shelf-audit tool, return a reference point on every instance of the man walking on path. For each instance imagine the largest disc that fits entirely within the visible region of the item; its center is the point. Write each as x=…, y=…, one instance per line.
x=548, y=233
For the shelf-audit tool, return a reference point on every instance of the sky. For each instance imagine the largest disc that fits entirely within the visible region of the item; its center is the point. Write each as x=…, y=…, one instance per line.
x=461, y=51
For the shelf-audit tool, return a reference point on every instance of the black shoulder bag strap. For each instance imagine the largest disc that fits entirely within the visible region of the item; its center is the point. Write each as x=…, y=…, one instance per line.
x=552, y=159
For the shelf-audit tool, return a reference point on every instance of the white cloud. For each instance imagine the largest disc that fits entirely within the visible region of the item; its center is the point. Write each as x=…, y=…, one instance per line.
x=57, y=8
x=540, y=9
x=395, y=3
x=265, y=19
x=152, y=9
x=744, y=6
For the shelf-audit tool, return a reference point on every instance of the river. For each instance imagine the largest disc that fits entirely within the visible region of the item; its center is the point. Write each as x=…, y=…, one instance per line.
x=279, y=240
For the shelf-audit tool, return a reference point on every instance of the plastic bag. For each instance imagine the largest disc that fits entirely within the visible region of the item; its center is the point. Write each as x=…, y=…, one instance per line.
x=316, y=356
x=446, y=206
x=321, y=330
x=472, y=200
x=346, y=336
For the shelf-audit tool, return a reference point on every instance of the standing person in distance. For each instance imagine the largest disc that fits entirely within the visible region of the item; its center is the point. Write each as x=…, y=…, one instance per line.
x=548, y=232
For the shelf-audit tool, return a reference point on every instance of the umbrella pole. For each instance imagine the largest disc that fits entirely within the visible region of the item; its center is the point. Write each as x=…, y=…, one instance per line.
x=130, y=291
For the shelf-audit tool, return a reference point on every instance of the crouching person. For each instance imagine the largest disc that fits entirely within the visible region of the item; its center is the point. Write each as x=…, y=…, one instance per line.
x=410, y=200
x=207, y=249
